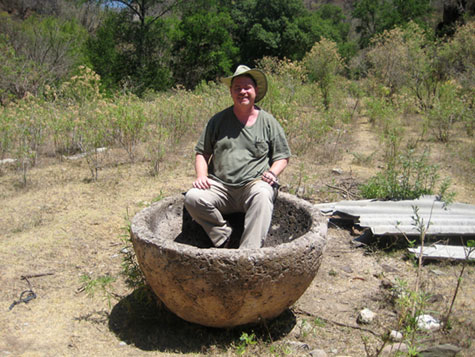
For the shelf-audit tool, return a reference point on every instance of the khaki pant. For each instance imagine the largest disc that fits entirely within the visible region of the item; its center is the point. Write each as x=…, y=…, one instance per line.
x=255, y=199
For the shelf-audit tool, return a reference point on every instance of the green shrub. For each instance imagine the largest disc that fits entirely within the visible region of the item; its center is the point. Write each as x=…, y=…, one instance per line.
x=409, y=177
x=448, y=108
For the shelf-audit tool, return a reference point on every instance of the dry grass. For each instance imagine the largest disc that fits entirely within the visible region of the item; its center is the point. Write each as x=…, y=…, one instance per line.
x=63, y=224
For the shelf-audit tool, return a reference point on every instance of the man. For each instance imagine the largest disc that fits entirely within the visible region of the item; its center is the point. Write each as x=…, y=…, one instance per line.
x=239, y=156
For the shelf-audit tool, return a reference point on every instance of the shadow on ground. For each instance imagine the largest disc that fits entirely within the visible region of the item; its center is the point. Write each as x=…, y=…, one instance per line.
x=139, y=319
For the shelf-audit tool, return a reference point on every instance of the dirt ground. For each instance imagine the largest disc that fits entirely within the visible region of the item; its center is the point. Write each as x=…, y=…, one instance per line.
x=62, y=227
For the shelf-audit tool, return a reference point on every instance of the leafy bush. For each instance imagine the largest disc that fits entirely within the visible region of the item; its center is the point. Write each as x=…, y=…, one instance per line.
x=409, y=177
x=323, y=63
x=403, y=57
x=448, y=108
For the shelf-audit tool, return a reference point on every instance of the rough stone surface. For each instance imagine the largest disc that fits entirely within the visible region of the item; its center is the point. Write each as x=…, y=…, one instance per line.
x=395, y=349
x=228, y=287
x=366, y=316
x=427, y=323
x=318, y=353
x=445, y=350
x=396, y=336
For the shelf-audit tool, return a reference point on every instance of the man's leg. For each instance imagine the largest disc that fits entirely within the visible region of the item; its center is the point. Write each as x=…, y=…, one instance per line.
x=257, y=201
x=207, y=207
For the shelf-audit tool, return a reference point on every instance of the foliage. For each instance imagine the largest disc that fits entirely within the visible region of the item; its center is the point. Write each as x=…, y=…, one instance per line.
x=327, y=21
x=37, y=51
x=376, y=16
x=127, y=55
x=448, y=108
x=246, y=341
x=267, y=28
x=457, y=57
x=203, y=49
x=134, y=277
x=403, y=57
x=323, y=63
x=408, y=177
x=102, y=284
x=128, y=123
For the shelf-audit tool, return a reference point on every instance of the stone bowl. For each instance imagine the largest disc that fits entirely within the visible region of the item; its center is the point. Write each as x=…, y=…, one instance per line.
x=228, y=287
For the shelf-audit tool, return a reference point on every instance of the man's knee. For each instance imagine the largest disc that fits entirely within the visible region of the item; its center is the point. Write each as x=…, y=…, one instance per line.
x=192, y=198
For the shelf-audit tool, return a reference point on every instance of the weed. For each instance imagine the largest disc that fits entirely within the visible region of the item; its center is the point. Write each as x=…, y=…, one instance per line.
x=246, y=341
x=101, y=284
x=319, y=322
x=409, y=177
x=469, y=249
x=134, y=277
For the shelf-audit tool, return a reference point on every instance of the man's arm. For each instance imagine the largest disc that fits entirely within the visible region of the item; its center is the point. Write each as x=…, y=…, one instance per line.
x=201, y=168
x=270, y=176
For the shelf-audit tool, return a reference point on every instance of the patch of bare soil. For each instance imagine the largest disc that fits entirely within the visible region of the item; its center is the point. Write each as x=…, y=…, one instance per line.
x=63, y=231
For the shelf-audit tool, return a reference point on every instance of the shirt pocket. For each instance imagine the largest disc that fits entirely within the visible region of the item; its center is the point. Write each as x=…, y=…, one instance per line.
x=260, y=148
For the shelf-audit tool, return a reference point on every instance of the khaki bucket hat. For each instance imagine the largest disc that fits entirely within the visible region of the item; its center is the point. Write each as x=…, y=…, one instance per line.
x=259, y=77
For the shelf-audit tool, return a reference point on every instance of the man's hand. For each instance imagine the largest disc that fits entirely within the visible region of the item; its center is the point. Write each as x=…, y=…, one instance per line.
x=269, y=177
x=201, y=167
x=202, y=182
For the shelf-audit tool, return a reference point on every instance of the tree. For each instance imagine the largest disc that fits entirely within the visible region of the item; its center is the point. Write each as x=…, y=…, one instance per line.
x=375, y=16
x=132, y=47
x=327, y=21
x=204, y=49
x=37, y=51
x=267, y=28
x=323, y=63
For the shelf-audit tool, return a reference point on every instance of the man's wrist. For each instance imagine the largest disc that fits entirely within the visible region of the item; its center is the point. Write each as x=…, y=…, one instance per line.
x=272, y=173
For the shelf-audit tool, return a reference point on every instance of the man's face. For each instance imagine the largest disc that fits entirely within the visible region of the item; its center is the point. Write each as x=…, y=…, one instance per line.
x=243, y=91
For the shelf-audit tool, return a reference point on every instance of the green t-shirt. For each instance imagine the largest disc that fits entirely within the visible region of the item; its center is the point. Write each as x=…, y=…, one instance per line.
x=241, y=153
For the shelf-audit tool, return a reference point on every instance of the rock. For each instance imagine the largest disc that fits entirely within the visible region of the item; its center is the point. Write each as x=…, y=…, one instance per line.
x=318, y=353
x=306, y=329
x=395, y=336
x=393, y=349
x=7, y=161
x=428, y=323
x=347, y=269
x=337, y=171
x=436, y=298
x=366, y=316
x=297, y=345
x=389, y=269
x=445, y=350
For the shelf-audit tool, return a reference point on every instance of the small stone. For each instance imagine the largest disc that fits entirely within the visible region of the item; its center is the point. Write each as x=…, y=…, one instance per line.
x=395, y=336
x=428, y=323
x=318, y=353
x=436, y=298
x=389, y=269
x=306, y=329
x=122, y=343
x=392, y=350
x=334, y=351
x=437, y=272
x=347, y=269
x=337, y=171
x=446, y=350
x=366, y=316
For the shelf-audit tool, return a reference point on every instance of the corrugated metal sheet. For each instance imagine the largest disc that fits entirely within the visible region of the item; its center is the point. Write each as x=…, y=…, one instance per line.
x=396, y=217
x=439, y=251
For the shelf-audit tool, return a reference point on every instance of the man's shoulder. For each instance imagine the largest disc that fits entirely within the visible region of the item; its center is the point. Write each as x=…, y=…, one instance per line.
x=267, y=118
x=225, y=113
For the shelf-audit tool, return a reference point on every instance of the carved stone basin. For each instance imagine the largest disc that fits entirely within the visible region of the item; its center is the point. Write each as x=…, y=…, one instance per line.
x=228, y=287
